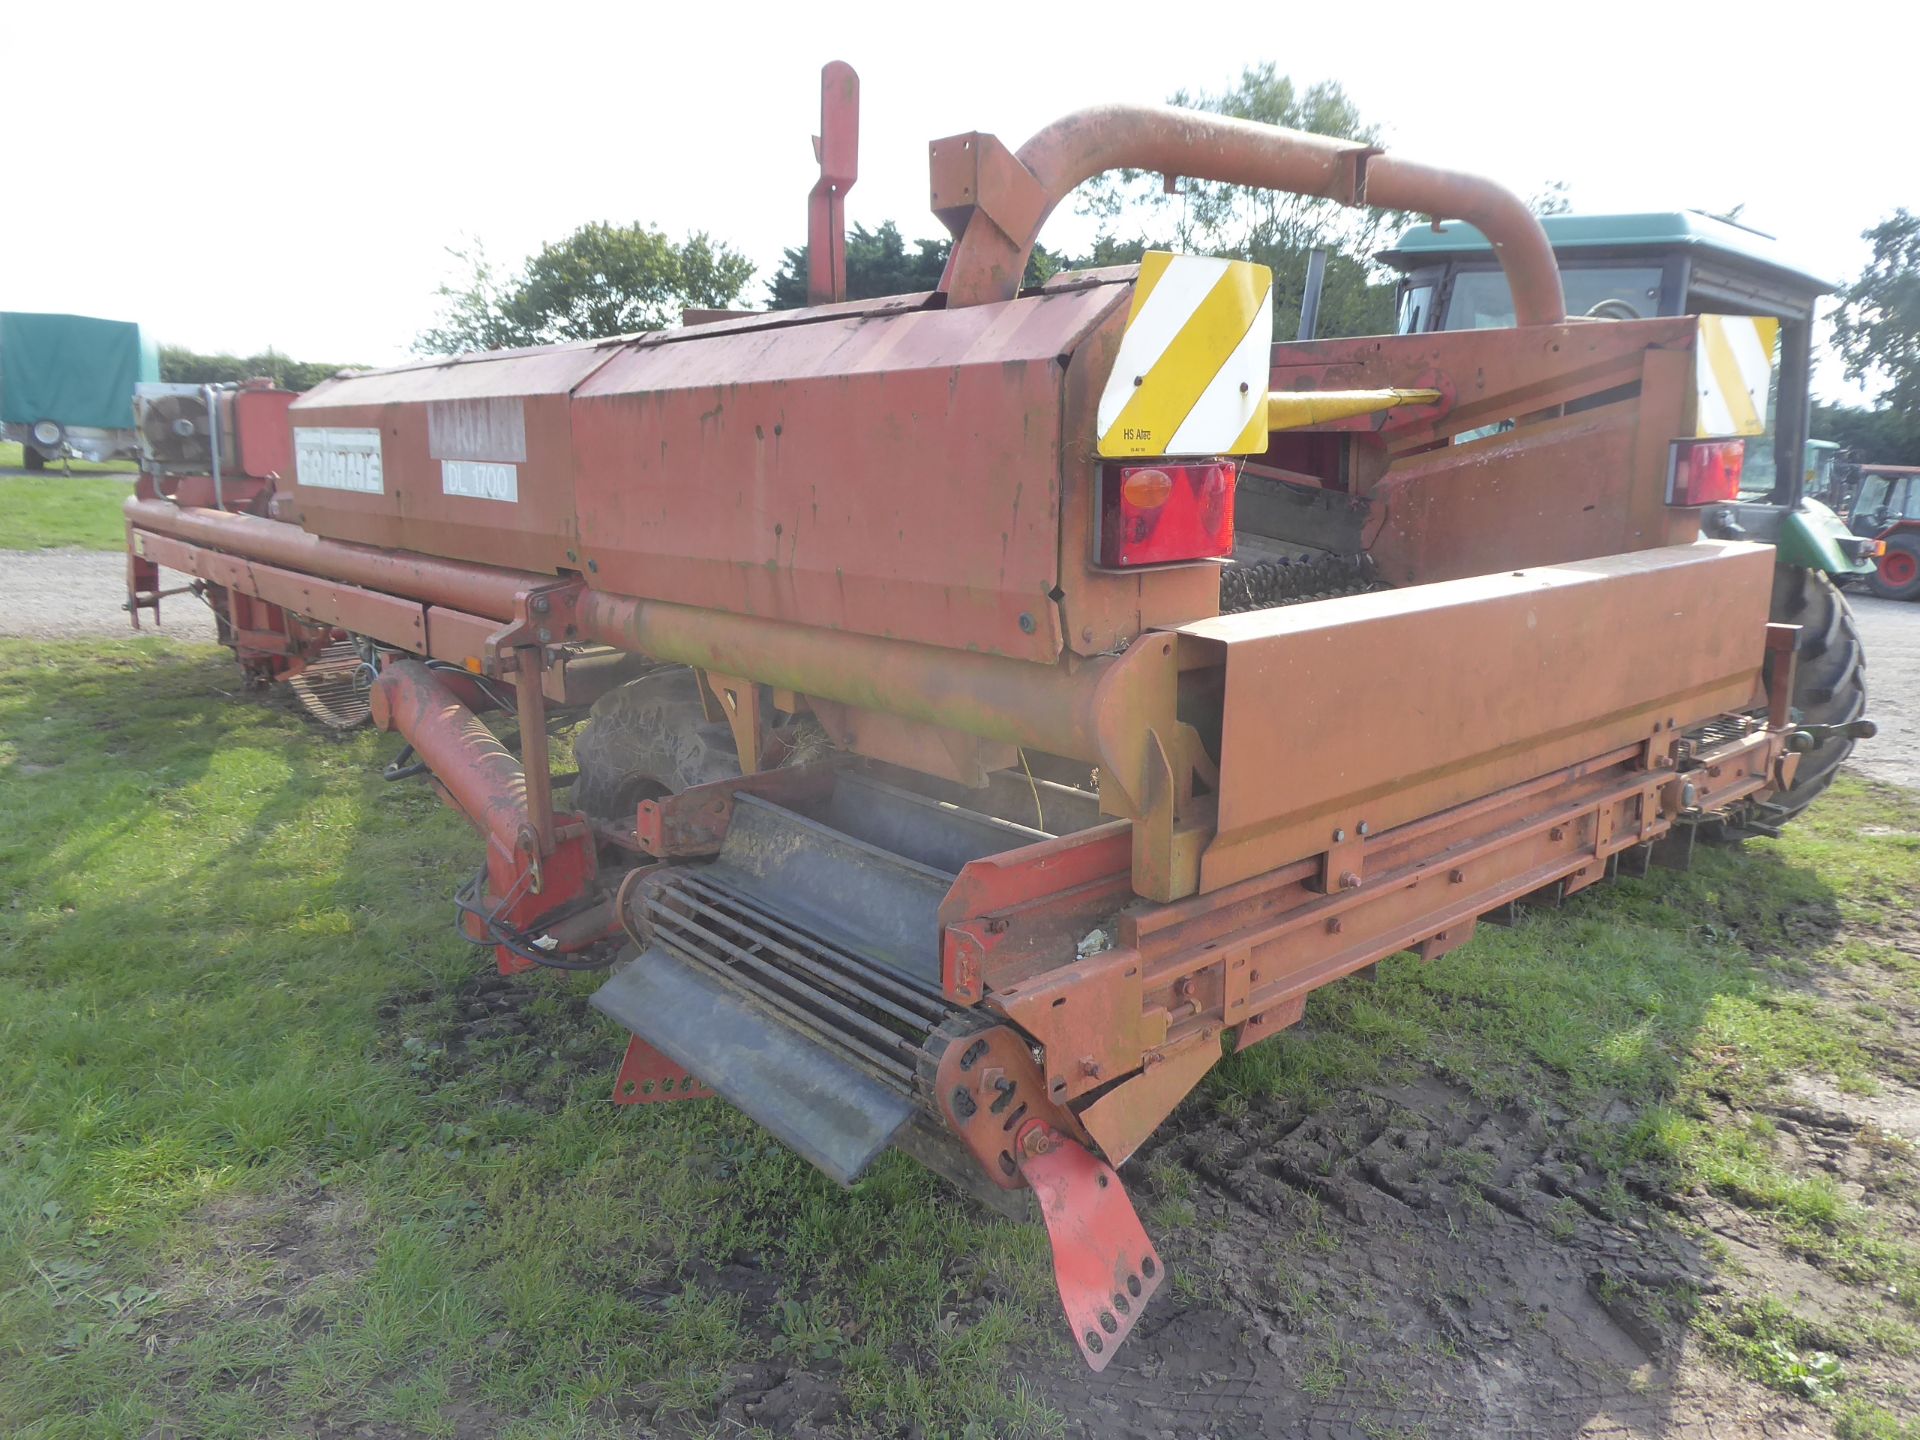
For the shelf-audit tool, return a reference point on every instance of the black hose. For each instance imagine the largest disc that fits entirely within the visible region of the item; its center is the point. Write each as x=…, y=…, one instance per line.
x=516, y=941
x=399, y=769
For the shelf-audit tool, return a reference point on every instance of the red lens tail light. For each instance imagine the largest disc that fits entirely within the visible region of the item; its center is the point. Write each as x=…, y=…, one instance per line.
x=1705, y=472
x=1161, y=514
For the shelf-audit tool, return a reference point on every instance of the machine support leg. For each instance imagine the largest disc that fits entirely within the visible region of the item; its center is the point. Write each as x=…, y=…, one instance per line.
x=531, y=704
x=1103, y=1262
x=649, y=1078
x=1783, y=644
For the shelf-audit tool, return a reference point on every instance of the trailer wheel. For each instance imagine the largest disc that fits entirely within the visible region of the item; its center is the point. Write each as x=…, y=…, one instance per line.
x=1897, y=575
x=1829, y=688
x=649, y=737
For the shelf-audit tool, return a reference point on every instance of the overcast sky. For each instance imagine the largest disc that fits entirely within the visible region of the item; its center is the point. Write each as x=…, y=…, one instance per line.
x=238, y=176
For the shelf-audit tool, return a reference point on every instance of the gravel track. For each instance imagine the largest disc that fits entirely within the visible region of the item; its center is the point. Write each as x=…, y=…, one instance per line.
x=61, y=594
x=65, y=594
x=1890, y=634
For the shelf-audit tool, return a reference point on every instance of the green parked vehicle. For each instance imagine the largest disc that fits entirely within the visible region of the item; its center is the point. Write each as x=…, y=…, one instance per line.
x=1628, y=267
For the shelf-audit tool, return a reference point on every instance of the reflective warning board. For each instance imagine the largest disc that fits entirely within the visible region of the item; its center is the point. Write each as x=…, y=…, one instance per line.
x=1191, y=374
x=1732, y=373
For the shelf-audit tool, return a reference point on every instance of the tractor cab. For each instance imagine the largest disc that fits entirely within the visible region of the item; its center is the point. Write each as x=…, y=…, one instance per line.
x=1632, y=267
x=1887, y=510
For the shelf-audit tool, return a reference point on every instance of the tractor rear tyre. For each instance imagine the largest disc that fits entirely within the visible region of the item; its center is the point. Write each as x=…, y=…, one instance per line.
x=649, y=737
x=1829, y=688
x=1897, y=575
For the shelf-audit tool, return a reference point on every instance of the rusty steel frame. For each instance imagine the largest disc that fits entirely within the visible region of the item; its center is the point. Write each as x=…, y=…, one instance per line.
x=1120, y=713
x=1596, y=406
x=1127, y=1031
x=837, y=148
x=1405, y=702
x=536, y=862
x=995, y=201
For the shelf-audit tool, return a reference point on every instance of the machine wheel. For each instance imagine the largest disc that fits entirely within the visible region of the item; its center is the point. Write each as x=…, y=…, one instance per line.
x=1829, y=688
x=1897, y=576
x=649, y=737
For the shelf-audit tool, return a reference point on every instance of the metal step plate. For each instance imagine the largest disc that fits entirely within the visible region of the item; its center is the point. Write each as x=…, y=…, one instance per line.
x=829, y=1112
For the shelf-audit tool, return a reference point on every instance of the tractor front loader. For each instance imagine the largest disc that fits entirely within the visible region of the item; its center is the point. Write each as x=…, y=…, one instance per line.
x=959, y=775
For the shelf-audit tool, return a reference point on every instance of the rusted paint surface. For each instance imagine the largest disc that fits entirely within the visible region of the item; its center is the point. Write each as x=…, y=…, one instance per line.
x=838, y=149
x=1150, y=1011
x=1103, y=610
x=1122, y=1118
x=1102, y=711
x=1012, y=197
x=260, y=432
x=649, y=1078
x=367, y=612
x=483, y=777
x=897, y=477
x=1103, y=1263
x=1552, y=486
x=694, y=822
x=457, y=585
x=1402, y=703
x=534, y=531
x=1023, y=912
x=986, y=1087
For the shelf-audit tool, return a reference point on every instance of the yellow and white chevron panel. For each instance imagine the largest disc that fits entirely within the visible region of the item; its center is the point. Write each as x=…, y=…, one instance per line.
x=1191, y=375
x=1732, y=372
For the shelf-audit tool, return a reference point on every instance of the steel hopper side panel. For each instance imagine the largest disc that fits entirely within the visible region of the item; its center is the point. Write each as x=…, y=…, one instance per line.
x=895, y=476
x=1379, y=709
x=484, y=405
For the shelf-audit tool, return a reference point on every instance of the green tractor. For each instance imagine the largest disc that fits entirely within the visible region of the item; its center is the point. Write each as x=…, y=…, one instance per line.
x=1629, y=267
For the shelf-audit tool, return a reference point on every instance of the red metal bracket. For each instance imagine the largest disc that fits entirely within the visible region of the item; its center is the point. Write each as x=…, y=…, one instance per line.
x=694, y=822
x=649, y=1078
x=1105, y=1266
x=542, y=615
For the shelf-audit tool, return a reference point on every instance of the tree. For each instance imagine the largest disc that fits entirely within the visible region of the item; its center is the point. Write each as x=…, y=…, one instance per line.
x=1553, y=198
x=1877, y=324
x=601, y=280
x=879, y=263
x=1276, y=228
x=473, y=316
x=181, y=366
x=1871, y=437
x=617, y=279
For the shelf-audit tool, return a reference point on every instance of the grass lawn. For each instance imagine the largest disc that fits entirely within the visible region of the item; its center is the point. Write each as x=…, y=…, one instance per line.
x=41, y=512
x=12, y=458
x=273, y=1160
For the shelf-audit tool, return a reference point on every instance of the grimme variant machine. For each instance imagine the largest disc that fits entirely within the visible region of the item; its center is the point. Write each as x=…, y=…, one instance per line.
x=959, y=775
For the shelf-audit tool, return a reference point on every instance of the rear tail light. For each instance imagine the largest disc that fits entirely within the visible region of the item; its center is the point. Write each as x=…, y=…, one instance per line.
x=1161, y=514
x=1705, y=472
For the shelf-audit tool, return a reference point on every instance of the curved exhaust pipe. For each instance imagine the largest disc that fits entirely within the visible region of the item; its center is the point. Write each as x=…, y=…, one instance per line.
x=995, y=202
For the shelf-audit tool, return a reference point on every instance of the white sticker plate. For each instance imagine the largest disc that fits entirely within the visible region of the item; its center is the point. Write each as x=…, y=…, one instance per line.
x=480, y=480
x=335, y=459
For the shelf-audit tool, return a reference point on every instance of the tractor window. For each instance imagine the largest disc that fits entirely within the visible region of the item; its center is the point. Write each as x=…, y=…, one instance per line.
x=1871, y=503
x=1416, y=310
x=1481, y=300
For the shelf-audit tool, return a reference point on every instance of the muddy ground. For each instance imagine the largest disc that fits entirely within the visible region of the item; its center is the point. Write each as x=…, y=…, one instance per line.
x=1405, y=1261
